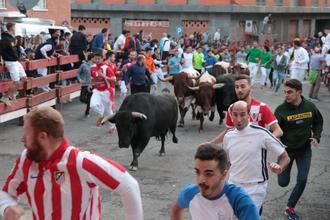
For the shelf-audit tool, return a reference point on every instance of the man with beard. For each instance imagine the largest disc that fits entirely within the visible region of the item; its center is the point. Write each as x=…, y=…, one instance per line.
x=260, y=113
x=212, y=198
x=248, y=154
x=61, y=181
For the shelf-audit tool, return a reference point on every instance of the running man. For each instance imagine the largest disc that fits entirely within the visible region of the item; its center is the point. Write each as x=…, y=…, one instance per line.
x=302, y=125
x=212, y=198
x=61, y=181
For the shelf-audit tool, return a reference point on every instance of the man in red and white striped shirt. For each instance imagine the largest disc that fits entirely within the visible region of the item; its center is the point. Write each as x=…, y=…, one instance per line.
x=61, y=181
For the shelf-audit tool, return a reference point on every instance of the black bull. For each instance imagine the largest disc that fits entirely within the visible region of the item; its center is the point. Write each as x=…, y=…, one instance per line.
x=142, y=116
x=226, y=95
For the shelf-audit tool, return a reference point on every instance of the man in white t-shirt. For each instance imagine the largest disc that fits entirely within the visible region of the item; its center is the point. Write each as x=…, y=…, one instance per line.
x=217, y=36
x=299, y=65
x=120, y=42
x=248, y=154
x=187, y=58
x=326, y=41
x=212, y=198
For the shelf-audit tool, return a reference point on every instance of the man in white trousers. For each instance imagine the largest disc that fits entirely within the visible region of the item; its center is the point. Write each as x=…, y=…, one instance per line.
x=102, y=75
x=299, y=65
x=254, y=56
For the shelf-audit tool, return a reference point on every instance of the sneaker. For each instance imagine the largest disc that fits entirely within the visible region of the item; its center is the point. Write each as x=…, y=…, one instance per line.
x=5, y=100
x=291, y=214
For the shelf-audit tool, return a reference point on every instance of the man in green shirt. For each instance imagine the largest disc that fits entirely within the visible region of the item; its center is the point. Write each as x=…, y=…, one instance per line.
x=198, y=59
x=265, y=65
x=254, y=55
x=302, y=125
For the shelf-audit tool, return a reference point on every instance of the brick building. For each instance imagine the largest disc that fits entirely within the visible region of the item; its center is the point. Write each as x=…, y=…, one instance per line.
x=290, y=17
x=51, y=9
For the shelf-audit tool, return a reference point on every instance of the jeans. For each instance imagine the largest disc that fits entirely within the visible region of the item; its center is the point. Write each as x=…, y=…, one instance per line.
x=278, y=77
x=303, y=162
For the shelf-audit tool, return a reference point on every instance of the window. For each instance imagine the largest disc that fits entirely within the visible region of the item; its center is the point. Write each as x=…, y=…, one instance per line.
x=2, y=3
x=278, y=3
x=261, y=2
x=42, y=5
x=315, y=3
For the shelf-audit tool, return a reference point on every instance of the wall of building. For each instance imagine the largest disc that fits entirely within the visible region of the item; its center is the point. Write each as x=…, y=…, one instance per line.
x=55, y=11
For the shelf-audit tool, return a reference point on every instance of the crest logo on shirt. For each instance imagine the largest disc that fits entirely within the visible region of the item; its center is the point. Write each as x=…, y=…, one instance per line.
x=59, y=177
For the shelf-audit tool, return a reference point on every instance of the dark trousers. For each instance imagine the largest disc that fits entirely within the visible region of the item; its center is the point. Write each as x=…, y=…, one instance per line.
x=303, y=162
x=85, y=97
x=138, y=88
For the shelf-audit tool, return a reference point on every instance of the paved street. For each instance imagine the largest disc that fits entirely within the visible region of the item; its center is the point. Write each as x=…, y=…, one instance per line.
x=160, y=178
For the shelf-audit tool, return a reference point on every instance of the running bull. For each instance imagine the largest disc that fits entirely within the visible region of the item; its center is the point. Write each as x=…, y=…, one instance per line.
x=185, y=97
x=142, y=116
x=205, y=96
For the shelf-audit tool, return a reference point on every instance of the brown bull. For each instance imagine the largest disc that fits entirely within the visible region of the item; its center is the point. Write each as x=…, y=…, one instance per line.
x=240, y=68
x=205, y=97
x=184, y=96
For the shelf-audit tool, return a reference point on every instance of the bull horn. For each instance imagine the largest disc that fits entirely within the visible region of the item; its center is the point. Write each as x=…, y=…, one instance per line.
x=218, y=85
x=167, y=79
x=107, y=118
x=139, y=115
x=195, y=88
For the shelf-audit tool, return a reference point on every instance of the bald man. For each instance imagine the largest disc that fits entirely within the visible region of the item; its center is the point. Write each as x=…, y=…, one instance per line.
x=247, y=146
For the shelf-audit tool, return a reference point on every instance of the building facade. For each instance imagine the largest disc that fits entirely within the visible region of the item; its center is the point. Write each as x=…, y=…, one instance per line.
x=59, y=11
x=237, y=19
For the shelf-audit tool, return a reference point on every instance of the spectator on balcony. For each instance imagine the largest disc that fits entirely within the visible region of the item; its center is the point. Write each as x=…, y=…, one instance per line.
x=98, y=41
x=120, y=42
x=37, y=40
x=10, y=56
x=67, y=40
x=20, y=48
x=78, y=44
x=47, y=50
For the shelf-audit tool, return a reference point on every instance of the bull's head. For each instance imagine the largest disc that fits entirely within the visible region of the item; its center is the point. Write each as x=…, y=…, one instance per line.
x=205, y=95
x=126, y=122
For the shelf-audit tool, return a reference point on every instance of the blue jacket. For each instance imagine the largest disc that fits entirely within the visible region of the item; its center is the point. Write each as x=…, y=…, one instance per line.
x=97, y=44
x=137, y=75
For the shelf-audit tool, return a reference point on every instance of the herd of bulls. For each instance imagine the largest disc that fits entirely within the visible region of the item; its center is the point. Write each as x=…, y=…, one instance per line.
x=142, y=116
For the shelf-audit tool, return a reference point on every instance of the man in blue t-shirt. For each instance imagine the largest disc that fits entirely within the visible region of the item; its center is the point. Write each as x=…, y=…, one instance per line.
x=212, y=198
x=175, y=63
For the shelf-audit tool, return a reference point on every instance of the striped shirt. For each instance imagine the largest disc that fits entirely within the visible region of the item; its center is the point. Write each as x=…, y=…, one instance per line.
x=260, y=114
x=67, y=185
x=247, y=151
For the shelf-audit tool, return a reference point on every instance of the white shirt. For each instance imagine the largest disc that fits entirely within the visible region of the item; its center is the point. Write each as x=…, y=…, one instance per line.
x=300, y=58
x=216, y=36
x=278, y=58
x=188, y=60
x=231, y=204
x=120, y=42
x=247, y=152
x=167, y=44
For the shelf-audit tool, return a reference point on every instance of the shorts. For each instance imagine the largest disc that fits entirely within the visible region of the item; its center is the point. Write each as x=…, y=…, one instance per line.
x=15, y=69
x=257, y=191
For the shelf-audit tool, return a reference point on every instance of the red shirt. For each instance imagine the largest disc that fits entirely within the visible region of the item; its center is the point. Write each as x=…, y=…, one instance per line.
x=65, y=186
x=260, y=114
x=97, y=79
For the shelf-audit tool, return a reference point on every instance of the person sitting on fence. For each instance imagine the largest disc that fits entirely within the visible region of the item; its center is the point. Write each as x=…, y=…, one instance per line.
x=10, y=55
x=47, y=50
